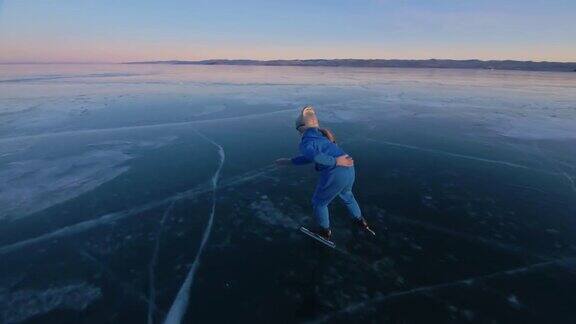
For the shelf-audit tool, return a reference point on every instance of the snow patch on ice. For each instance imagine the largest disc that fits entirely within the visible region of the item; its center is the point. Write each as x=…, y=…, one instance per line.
x=23, y=304
x=33, y=185
x=30, y=186
x=266, y=211
x=513, y=300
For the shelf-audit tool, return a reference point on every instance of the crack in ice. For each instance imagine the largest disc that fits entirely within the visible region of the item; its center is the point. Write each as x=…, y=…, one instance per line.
x=458, y=155
x=110, y=218
x=128, y=288
x=557, y=166
x=570, y=180
x=350, y=309
x=152, y=266
x=138, y=127
x=513, y=249
x=180, y=304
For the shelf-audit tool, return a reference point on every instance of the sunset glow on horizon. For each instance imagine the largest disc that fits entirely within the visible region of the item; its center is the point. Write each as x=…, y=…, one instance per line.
x=108, y=31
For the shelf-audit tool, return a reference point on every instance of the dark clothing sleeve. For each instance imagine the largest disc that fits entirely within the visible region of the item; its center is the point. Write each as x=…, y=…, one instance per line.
x=300, y=160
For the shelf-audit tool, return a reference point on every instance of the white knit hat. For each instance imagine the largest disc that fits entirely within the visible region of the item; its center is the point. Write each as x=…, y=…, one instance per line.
x=307, y=118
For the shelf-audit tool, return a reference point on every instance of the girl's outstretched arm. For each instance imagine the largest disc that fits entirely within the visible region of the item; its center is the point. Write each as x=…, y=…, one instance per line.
x=300, y=160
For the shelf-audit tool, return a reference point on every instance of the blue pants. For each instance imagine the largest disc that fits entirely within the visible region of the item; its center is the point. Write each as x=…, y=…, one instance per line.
x=332, y=183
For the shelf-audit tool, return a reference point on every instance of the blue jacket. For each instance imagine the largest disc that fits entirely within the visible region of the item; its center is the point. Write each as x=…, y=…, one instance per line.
x=316, y=148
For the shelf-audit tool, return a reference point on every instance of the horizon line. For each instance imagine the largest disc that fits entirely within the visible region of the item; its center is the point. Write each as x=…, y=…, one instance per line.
x=268, y=60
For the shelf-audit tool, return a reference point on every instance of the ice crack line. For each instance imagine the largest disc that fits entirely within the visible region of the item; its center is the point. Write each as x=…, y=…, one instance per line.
x=180, y=304
x=557, y=165
x=458, y=155
x=137, y=127
x=353, y=308
x=152, y=266
x=509, y=248
x=570, y=180
x=127, y=287
x=110, y=218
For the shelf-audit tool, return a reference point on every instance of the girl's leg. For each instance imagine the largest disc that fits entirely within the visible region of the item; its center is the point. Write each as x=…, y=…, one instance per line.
x=321, y=216
x=327, y=189
x=351, y=203
x=348, y=197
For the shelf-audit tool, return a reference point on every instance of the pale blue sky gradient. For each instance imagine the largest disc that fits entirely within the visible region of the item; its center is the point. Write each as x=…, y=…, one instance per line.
x=125, y=30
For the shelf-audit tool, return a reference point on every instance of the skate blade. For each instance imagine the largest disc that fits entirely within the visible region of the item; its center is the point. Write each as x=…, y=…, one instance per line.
x=369, y=230
x=317, y=237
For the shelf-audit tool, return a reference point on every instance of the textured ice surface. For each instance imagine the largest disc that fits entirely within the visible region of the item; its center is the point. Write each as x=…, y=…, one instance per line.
x=32, y=185
x=542, y=127
x=29, y=186
x=265, y=210
x=466, y=176
x=180, y=304
x=20, y=305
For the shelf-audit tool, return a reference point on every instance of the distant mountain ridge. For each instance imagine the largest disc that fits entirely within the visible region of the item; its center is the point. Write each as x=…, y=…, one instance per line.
x=396, y=63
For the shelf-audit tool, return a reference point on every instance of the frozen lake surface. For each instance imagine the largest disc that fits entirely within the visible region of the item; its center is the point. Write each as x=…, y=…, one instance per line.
x=148, y=194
